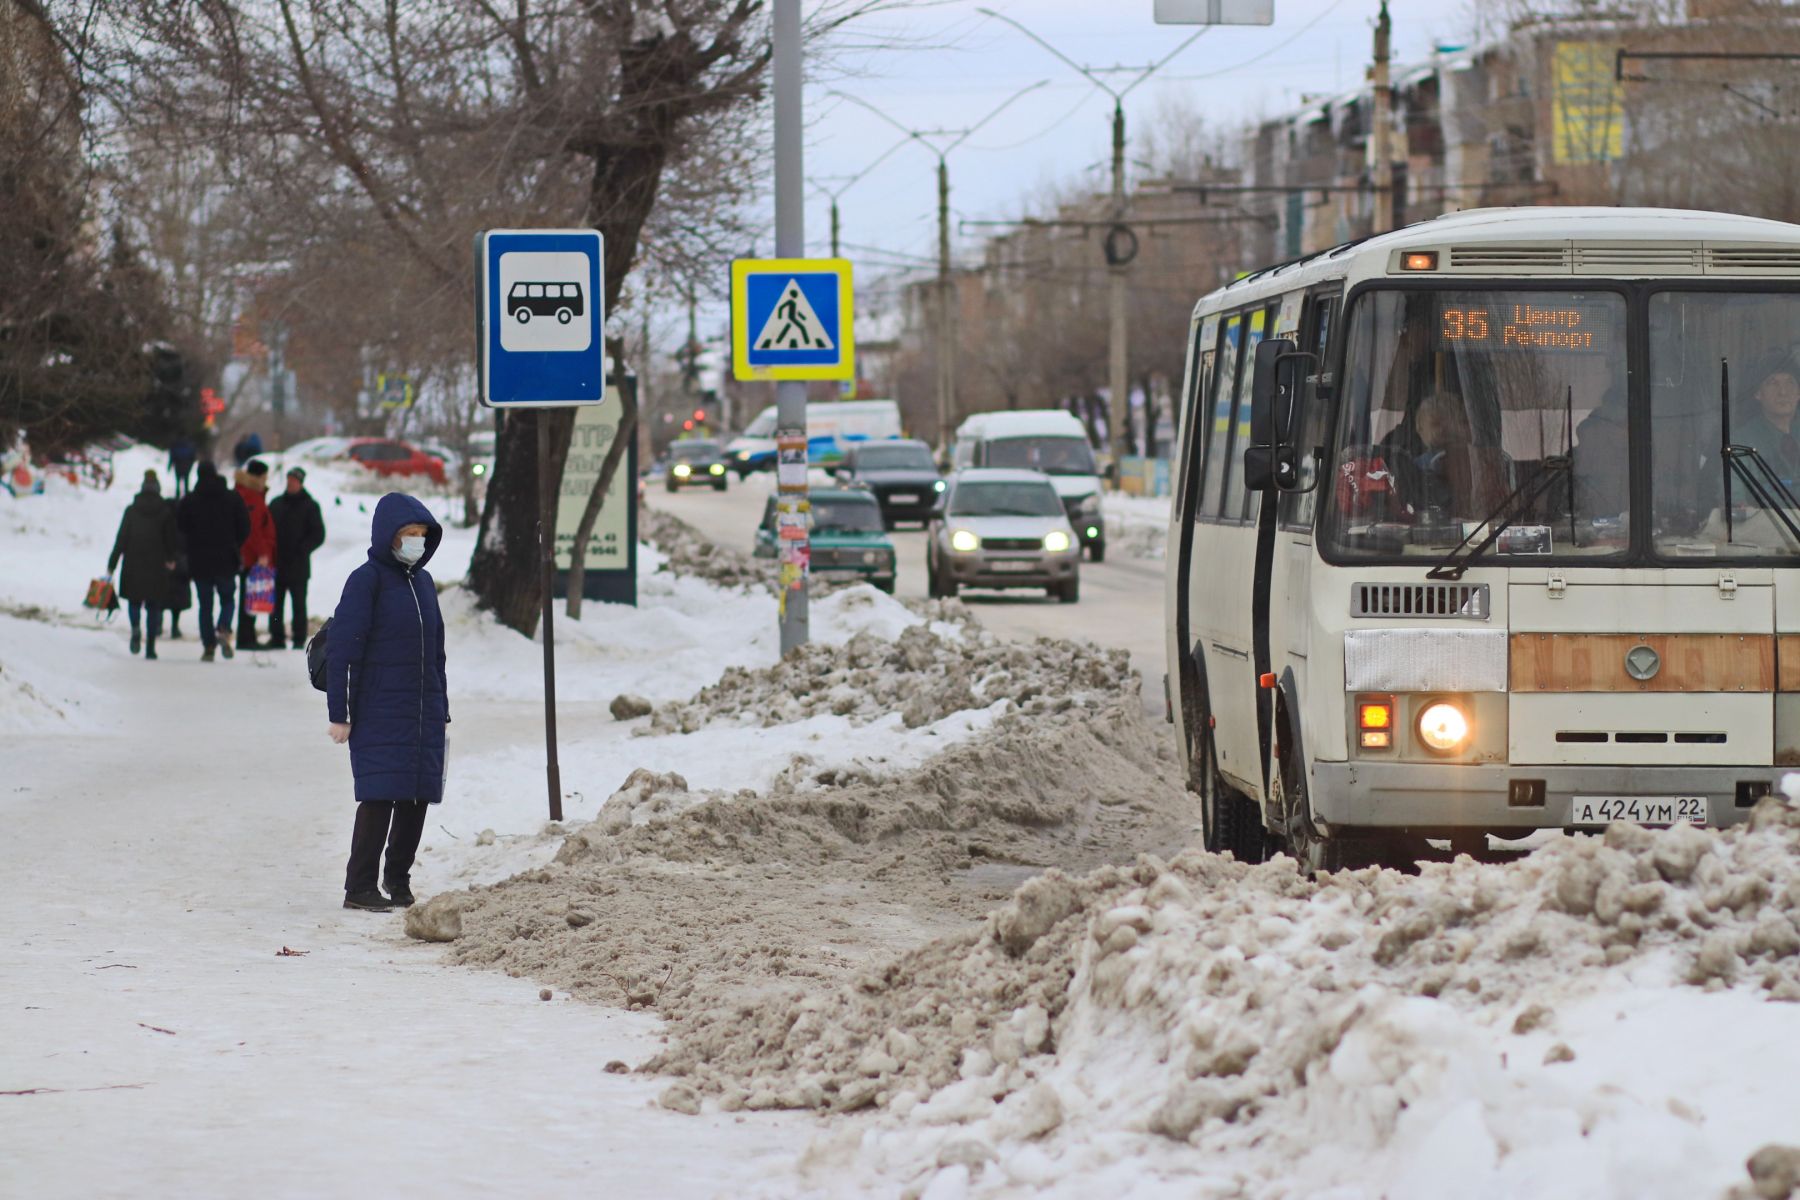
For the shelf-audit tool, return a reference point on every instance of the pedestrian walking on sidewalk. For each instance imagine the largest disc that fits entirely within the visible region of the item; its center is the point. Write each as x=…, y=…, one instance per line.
x=181, y=463
x=146, y=546
x=215, y=523
x=386, y=695
x=299, y=530
x=258, y=549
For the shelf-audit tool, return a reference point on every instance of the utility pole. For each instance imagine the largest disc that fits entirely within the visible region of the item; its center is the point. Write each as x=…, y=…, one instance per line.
x=944, y=317
x=849, y=182
x=1121, y=244
x=1379, y=144
x=790, y=242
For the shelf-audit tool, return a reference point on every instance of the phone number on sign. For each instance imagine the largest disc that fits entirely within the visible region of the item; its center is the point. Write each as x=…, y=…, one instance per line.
x=1644, y=810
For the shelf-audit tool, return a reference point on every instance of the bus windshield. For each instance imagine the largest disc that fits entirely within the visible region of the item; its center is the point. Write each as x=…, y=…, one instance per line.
x=1717, y=356
x=1052, y=455
x=1457, y=401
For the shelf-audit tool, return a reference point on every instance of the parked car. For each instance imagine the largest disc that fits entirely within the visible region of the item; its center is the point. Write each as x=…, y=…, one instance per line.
x=695, y=460
x=900, y=474
x=1002, y=528
x=317, y=450
x=385, y=456
x=847, y=533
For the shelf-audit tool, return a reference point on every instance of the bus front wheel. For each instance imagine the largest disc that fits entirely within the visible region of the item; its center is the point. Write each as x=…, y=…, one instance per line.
x=523, y=316
x=564, y=316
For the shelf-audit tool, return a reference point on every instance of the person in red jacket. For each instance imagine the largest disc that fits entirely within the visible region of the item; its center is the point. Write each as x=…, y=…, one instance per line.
x=258, y=549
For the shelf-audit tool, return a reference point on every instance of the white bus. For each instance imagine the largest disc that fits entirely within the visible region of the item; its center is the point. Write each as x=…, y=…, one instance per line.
x=1487, y=526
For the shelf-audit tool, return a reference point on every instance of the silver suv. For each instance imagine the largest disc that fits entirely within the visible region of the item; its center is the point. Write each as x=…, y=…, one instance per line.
x=1002, y=529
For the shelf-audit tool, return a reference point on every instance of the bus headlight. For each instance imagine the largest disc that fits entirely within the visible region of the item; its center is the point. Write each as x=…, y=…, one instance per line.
x=964, y=542
x=1443, y=727
x=683, y=471
x=1056, y=541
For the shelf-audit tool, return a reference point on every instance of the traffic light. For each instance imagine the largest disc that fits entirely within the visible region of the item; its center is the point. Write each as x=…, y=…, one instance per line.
x=688, y=425
x=700, y=415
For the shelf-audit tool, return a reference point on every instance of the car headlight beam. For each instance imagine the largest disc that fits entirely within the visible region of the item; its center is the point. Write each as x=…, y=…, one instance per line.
x=717, y=468
x=1443, y=727
x=683, y=471
x=964, y=541
x=1056, y=541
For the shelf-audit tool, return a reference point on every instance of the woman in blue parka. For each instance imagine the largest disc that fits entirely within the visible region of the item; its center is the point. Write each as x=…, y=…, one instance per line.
x=386, y=695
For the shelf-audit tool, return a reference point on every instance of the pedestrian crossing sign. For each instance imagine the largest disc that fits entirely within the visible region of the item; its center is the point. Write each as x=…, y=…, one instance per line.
x=791, y=318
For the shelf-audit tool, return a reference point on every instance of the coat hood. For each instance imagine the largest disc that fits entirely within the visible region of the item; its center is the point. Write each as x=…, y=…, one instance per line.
x=392, y=512
x=252, y=483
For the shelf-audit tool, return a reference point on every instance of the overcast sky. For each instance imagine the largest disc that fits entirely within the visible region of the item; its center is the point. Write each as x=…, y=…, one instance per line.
x=965, y=64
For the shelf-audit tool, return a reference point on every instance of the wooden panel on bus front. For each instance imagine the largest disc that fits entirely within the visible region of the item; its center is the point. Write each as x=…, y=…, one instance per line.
x=1691, y=662
x=1787, y=662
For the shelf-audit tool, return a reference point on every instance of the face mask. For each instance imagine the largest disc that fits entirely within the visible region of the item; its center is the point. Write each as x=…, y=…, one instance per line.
x=411, y=550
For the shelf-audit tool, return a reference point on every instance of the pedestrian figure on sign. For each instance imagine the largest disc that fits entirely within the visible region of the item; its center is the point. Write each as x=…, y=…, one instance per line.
x=789, y=309
x=214, y=524
x=181, y=463
x=146, y=546
x=258, y=549
x=299, y=530
x=386, y=694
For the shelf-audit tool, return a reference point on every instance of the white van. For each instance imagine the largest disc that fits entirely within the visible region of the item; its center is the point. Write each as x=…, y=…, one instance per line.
x=830, y=425
x=1047, y=440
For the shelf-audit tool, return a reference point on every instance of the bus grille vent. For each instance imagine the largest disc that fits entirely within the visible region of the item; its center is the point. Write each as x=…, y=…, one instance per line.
x=1753, y=260
x=1605, y=259
x=1463, y=601
x=1527, y=260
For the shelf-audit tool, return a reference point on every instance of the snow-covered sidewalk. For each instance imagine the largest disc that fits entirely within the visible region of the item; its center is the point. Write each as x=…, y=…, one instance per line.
x=153, y=1039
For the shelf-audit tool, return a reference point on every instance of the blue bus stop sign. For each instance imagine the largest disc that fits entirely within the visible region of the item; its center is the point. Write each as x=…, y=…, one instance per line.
x=540, y=317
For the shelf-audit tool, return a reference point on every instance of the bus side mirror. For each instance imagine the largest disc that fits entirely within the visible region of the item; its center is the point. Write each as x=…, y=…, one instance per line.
x=1271, y=460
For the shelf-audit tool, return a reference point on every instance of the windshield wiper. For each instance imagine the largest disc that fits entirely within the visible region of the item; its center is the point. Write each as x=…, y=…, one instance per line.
x=1747, y=463
x=1506, y=514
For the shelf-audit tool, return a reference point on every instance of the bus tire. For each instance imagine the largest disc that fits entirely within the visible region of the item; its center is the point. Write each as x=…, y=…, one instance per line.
x=1313, y=850
x=522, y=316
x=564, y=316
x=1228, y=820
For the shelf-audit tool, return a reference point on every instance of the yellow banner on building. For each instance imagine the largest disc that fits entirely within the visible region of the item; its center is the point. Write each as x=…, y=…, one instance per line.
x=1588, y=106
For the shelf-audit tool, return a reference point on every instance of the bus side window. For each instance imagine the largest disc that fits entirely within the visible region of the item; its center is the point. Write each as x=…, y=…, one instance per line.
x=1298, y=508
x=1238, y=500
x=1216, y=412
x=1191, y=436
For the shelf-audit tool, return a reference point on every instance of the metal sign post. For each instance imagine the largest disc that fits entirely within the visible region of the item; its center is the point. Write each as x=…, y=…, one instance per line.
x=539, y=317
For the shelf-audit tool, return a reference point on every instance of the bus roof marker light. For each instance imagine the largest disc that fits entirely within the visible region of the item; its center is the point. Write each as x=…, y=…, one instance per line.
x=1419, y=260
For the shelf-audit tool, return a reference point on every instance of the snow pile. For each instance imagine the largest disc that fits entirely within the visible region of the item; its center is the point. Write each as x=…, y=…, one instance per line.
x=698, y=903
x=1136, y=526
x=688, y=552
x=39, y=693
x=1250, y=1032
x=923, y=674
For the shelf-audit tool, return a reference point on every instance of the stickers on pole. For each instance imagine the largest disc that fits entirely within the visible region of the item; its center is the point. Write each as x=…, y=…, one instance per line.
x=539, y=317
x=790, y=461
x=791, y=318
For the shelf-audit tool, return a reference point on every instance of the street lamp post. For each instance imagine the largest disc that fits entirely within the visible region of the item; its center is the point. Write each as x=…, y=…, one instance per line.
x=945, y=322
x=1121, y=243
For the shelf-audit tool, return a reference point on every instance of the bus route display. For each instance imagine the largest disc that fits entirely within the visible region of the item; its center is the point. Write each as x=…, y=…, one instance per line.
x=1498, y=324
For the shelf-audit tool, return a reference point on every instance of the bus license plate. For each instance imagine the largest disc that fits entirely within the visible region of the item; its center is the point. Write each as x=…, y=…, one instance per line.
x=1642, y=810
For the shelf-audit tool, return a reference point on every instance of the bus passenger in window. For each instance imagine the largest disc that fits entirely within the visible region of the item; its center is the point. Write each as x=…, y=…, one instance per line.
x=1768, y=425
x=1601, y=458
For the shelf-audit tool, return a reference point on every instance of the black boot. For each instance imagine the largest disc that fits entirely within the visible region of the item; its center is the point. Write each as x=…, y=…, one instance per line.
x=150, y=648
x=400, y=894
x=367, y=901
x=137, y=641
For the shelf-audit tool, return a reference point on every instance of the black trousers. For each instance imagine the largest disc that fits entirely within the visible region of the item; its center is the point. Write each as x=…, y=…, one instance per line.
x=399, y=824
x=278, y=631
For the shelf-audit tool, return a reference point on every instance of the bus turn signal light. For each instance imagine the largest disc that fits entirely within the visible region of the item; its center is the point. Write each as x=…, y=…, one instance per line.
x=1419, y=260
x=1375, y=722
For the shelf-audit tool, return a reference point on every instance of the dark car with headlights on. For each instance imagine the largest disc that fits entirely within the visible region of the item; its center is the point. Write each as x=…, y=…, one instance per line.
x=1003, y=529
x=899, y=473
x=847, y=536
x=695, y=460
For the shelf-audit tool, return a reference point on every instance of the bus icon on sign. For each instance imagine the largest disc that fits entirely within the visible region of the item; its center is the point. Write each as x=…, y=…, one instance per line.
x=560, y=300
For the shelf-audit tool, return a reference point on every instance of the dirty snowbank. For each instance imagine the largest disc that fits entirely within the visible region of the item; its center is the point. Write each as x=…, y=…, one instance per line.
x=694, y=905
x=1600, y=1019
x=1136, y=526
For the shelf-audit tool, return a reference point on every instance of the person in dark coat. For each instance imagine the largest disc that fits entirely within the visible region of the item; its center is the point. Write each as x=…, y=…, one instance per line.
x=299, y=530
x=386, y=694
x=147, y=545
x=258, y=549
x=181, y=463
x=214, y=523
